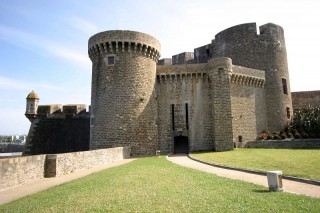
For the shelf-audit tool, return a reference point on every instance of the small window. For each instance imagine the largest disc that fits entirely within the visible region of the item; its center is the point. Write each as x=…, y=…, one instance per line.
x=187, y=116
x=208, y=53
x=284, y=86
x=288, y=112
x=240, y=138
x=111, y=60
x=220, y=72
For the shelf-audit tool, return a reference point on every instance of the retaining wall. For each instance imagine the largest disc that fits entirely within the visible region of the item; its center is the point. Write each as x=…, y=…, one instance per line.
x=18, y=170
x=285, y=144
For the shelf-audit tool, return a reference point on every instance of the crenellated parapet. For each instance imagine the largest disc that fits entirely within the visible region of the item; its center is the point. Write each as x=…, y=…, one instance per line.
x=61, y=111
x=113, y=42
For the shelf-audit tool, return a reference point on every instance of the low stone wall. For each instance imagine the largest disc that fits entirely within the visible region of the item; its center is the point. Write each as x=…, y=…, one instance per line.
x=285, y=144
x=18, y=170
x=70, y=162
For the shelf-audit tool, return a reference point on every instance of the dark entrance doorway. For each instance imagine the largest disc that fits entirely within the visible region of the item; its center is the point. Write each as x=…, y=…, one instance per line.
x=181, y=145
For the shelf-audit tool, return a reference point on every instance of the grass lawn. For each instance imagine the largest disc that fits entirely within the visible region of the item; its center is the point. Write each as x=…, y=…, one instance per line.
x=304, y=163
x=157, y=185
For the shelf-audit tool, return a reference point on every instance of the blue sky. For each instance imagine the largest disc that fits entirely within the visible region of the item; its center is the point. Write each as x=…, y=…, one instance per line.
x=43, y=44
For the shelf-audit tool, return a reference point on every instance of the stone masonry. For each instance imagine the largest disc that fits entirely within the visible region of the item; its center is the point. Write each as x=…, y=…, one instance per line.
x=123, y=100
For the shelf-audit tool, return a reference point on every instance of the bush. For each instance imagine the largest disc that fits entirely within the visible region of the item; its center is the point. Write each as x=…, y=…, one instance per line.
x=313, y=135
x=290, y=135
x=306, y=121
x=304, y=135
x=276, y=137
x=283, y=136
x=297, y=135
x=269, y=137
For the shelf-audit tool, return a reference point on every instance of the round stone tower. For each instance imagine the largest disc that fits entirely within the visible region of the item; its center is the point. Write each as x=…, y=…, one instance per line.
x=123, y=98
x=265, y=51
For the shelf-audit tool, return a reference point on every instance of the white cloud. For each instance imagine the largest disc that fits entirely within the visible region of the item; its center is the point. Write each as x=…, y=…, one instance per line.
x=14, y=84
x=28, y=41
x=7, y=83
x=82, y=25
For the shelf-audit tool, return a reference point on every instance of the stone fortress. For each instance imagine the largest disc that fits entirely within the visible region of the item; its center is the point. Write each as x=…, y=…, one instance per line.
x=218, y=97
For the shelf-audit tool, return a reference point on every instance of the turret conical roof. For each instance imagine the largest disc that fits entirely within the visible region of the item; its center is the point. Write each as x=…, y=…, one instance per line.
x=33, y=95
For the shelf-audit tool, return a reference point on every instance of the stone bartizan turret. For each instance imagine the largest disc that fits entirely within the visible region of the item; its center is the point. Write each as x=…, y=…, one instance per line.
x=32, y=105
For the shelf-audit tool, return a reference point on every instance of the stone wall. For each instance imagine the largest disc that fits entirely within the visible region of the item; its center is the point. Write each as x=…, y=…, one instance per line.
x=70, y=162
x=177, y=86
x=19, y=170
x=301, y=100
x=248, y=104
x=58, y=129
x=285, y=144
x=265, y=51
x=220, y=72
x=183, y=58
x=123, y=99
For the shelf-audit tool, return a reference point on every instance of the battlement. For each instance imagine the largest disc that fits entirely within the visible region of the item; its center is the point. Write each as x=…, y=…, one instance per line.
x=58, y=110
x=49, y=109
x=165, y=61
x=183, y=58
x=112, y=42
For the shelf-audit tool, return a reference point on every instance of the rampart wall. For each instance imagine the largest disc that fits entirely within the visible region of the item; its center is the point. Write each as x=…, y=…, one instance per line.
x=301, y=100
x=59, y=129
x=19, y=170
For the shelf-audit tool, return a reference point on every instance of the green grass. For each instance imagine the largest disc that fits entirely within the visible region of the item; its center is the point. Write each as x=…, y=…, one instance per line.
x=157, y=185
x=304, y=163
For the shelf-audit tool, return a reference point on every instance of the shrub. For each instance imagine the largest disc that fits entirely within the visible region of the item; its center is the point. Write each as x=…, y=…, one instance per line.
x=306, y=120
x=304, y=135
x=276, y=137
x=290, y=135
x=262, y=136
x=269, y=137
x=313, y=135
x=297, y=135
x=283, y=136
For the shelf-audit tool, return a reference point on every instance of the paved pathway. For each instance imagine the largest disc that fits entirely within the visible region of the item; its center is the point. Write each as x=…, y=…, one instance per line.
x=289, y=186
x=32, y=187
